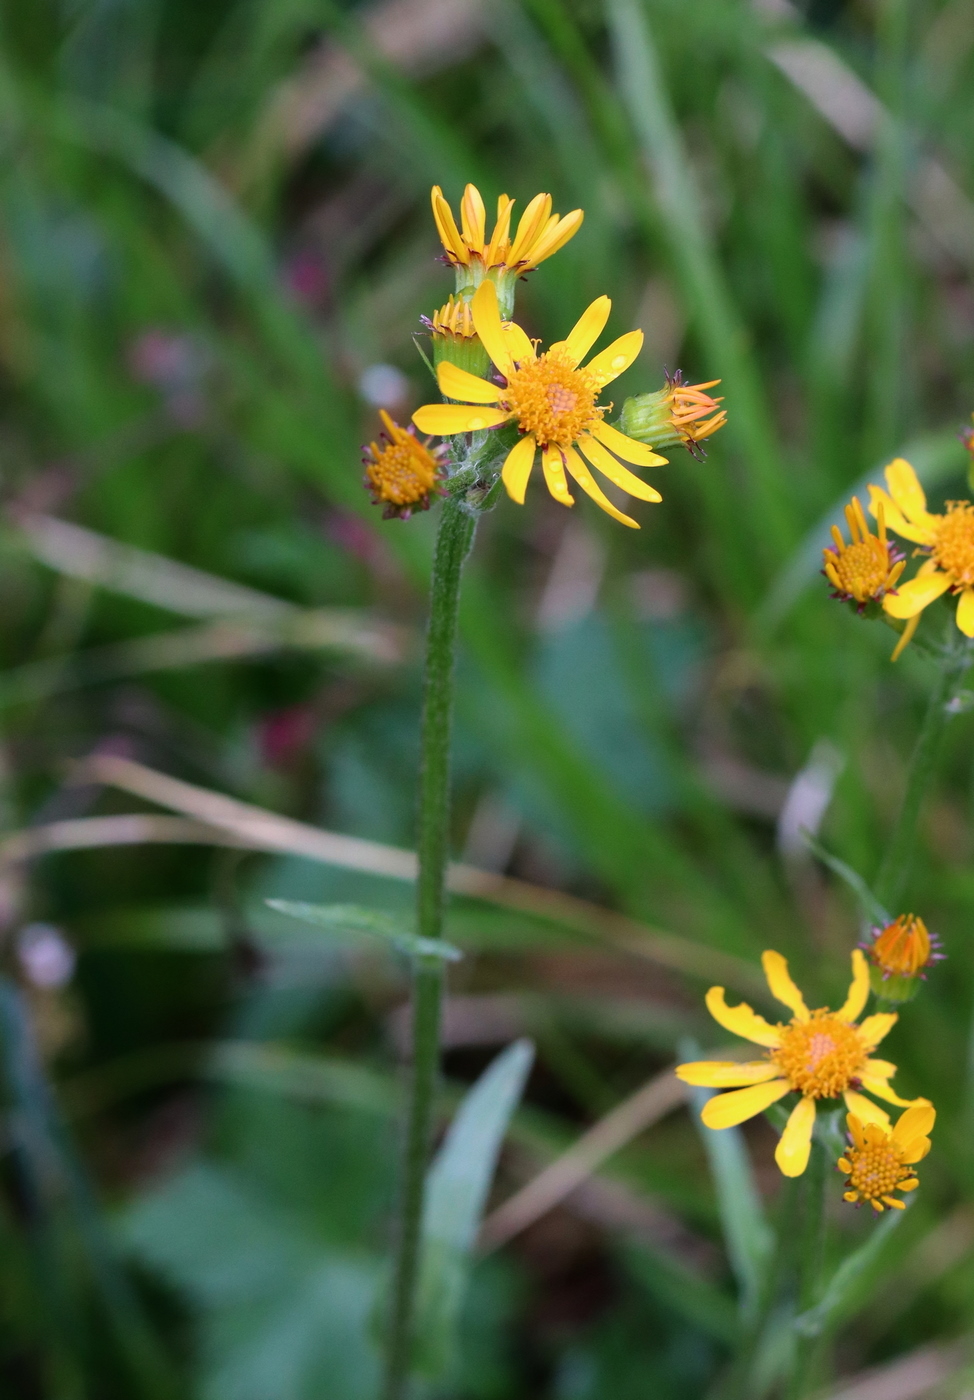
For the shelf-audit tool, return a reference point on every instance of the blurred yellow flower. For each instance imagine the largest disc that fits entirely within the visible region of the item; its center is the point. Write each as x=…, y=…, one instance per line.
x=402, y=474
x=866, y=570
x=539, y=232
x=552, y=400
x=947, y=539
x=819, y=1055
x=879, y=1161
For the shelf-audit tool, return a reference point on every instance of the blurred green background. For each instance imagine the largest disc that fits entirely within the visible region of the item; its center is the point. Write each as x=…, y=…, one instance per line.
x=215, y=248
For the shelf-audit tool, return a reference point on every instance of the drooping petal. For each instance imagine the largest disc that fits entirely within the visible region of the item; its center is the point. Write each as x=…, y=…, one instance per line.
x=460, y=384
x=587, y=482
x=602, y=459
x=912, y=597
x=965, y=612
x=585, y=332
x=854, y=1125
x=880, y=1087
x=555, y=236
x=782, y=987
x=894, y=518
x=914, y=1123
x=795, y=1143
x=905, y=488
x=727, y=1110
x=726, y=1074
x=880, y=1069
x=865, y=1110
x=626, y=447
x=916, y=1151
x=910, y=1184
x=875, y=1028
x=517, y=468
x=858, y=990
x=487, y=323
x=519, y=347
x=443, y=419
x=554, y=475
x=742, y=1020
x=610, y=362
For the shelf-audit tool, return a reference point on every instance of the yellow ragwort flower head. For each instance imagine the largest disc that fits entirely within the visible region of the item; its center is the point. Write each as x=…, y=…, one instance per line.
x=552, y=400
x=539, y=234
x=402, y=473
x=819, y=1054
x=675, y=415
x=455, y=319
x=864, y=571
x=947, y=540
x=879, y=1162
x=899, y=954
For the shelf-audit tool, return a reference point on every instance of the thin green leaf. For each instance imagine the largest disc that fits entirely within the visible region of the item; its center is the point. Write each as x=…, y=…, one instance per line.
x=844, y=1287
x=456, y=1194
x=871, y=906
x=355, y=918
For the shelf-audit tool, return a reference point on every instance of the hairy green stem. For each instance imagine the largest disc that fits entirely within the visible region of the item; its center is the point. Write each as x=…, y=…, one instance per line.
x=895, y=869
x=809, y=1259
x=453, y=542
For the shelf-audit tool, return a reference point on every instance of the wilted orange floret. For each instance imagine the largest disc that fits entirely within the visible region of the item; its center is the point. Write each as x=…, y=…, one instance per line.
x=403, y=473
x=689, y=406
x=903, y=948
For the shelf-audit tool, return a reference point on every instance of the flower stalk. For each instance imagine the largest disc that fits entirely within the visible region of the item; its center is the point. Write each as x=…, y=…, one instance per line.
x=454, y=539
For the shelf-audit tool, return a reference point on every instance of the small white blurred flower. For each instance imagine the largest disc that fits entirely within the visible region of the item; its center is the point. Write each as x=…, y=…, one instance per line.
x=383, y=386
x=46, y=958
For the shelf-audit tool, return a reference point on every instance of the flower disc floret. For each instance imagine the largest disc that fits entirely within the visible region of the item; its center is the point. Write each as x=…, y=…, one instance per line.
x=820, y=1057
x=879, y=1161
x=952, y=549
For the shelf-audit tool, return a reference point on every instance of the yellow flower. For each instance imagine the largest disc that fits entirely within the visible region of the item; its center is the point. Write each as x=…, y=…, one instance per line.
x=675, y=414
x=879, y=1161
x=818, y=1054
x=866, y=570
x=539, y=233
x=403, y=473
x=947, y=539
x=552, y=400
x=898, y=953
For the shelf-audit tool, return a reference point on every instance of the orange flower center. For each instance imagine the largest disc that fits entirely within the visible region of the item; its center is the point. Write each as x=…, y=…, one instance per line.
x=553, y=401
x=953, y=545
x=862, y=569
x=402, y=474
x=876, y=1169
x=903, y=947
x=820, y=1057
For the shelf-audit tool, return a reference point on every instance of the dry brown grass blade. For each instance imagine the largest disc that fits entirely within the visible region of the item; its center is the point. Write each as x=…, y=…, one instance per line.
x=258, y=829
x=557, y=1182
x=87, y=833
x=918, y=1373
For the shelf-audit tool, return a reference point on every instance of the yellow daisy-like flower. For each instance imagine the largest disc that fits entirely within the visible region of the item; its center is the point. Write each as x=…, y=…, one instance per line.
x=947, y=539
x=554, y=402
x=864, y=571
x=403, y=473
x=540, y=233
x=879, y=1161
x=818, y=1054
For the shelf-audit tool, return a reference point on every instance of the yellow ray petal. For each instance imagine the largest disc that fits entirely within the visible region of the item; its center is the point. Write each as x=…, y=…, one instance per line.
x=906, y=637
x=741, y=1020
x=460, y=384
x=894, y=517
x=782, y=987
x=880, y=1087
x=726, y=1110
x=531, y=223
x=858, y=991
x=905, y=488
x=795, y=1143
x=585, y=332
x=517, y=468
x=554, y=475
x=446, y=226
x=442, y=419
x=875, y=1028
x=916, y=1152
x=603, y=460
x=626, y=447
x=880, y=1069
x=555, y=236
x=912, y=597
x=864, y=1109
x=914, y=1123
x=726, y=1074
x=518, y=345
x=610, y=362
x=487, y=323
x=473, y=217
x=586, y=481
x=965, y=612
x=854, y=1125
